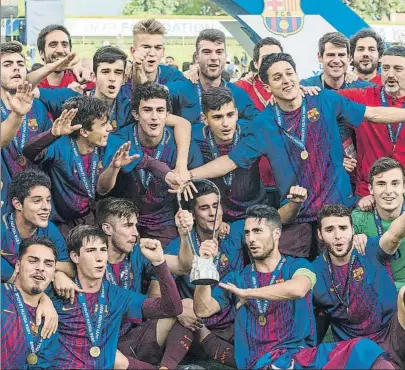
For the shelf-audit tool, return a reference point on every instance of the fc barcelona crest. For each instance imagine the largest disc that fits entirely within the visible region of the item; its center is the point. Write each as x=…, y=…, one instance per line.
x=283, y=17
x=313, y=115
x=33, y=124
x=358, y=274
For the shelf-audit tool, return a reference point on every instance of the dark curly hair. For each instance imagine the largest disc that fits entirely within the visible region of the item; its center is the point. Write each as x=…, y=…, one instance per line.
x=24, y=182
x=150, y=90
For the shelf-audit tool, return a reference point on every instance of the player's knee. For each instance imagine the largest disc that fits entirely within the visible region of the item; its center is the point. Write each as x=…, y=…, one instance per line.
x=121, y=362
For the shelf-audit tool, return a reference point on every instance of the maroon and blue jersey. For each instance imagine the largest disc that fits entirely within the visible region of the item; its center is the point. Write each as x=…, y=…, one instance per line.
x=241, y=188
x=10, y=244
x=186, y=101
x=69, y=196
x=230, y=258
x=156, y=205
x=322, y=173
x=14, y=345
x=74, y=340
x=372, y=294
x=120, y=110
x=165, y=75
x=36, y=122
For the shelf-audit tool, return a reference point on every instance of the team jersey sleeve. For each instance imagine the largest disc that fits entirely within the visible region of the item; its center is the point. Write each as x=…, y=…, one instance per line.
x=175, y=97
x=55, y=98
x=47, y=353
x=7, y=270
x=246, y=109
x=301, y=266
x=345, y=110
x=133, y=303
x=375, y=253
x=237, y=232
x=223, y=297
x=195, y=157
x=359, y=222
x=252, y=144
x=56, y=236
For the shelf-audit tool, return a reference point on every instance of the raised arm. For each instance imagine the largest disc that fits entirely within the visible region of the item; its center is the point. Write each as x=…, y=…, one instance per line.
x=182, y=135
x=63, y=64
x=392, y=238
x=384, y=115
x=20, y=104
x=290, y=211
x=61, y=127
x=181, y=264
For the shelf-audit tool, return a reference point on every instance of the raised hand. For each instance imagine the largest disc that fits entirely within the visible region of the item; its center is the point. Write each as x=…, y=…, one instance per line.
x=297, y=194
x=65, y=63
x=184, y=221
x=350, y=77
x=121, y=157
x=63, y=125
x=139, y=58
x=310, y=90
x=209, y=249
x=152, y=250
x=223, y=230
x=193, y=73
x=21, y=102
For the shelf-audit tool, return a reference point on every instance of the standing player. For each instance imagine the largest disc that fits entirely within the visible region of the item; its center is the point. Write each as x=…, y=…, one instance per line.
x=366, y=49
x=356, y=291
x=334, y=54
x=89, y=327
x=147, y=51
x=31, y=198
x=387, y=185
x=300, y=137
x=274, y=324
x=376, y=141
x=151, y=106
x=23, y=343
x=54, y=43
x=22, y=116
x=211, y=58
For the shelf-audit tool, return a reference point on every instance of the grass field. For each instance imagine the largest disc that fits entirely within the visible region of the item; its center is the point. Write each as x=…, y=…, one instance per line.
x=181, y=50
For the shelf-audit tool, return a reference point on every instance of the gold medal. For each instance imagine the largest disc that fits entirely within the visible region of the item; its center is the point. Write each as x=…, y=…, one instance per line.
x=95, y=351
x=262, y=320
x=21, y=160
x=304, y=155
x=32, y=358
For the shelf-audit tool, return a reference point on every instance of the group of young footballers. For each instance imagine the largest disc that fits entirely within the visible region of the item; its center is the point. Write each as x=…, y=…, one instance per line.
x=307, y=231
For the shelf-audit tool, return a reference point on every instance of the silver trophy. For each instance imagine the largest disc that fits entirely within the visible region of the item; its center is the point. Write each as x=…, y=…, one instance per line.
x=203, y=270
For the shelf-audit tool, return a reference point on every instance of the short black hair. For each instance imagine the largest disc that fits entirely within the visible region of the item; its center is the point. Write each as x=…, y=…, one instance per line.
x=271, y=59
x=108, y=54
x=169, y=57
x=333, y=210
x=150, y=90
x=35, y=240
x=203, y=189
x=89, y=108
x=210, y=34
x=215, y=97
x=83, y=233
x=270, y=214
x=264, y=42
x=46, y=31
x=398, y=51
x=362, y=34
x=335, y=38
x=382, y=165
x=23, y=182
x=115, y=207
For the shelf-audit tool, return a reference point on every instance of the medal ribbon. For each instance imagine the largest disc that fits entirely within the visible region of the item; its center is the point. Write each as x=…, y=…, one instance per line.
x=90, y=187
x=24, y=130
x=276, y=273
x=393, y=137
x=14, y=230
x=124, y=278
x=26, y=323
x=158, y=154
x=94, y=334
x=215, y=152
x=299, y=142
x=346, y=291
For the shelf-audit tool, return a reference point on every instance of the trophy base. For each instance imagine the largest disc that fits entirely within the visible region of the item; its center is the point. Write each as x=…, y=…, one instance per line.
x=205, y=282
